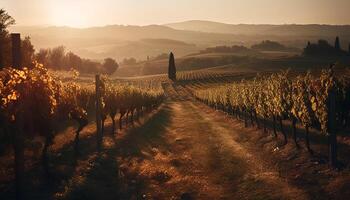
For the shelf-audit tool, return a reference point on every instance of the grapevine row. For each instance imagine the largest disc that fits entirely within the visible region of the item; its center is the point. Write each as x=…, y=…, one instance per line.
x=33, y=103
x=305, y=99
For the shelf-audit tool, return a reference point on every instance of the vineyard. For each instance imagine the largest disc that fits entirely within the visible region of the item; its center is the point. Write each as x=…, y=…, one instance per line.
x=200, y=134
x=121, y=100
x=41, y=111
x=34, y=103
x=313, y=102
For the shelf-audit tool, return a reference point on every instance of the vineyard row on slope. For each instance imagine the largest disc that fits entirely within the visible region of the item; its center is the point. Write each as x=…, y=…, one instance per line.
x=321, y=102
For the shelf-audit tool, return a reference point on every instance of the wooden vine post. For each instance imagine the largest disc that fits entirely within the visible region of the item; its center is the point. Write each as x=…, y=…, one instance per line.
x=18, y=143
x=98, y=112
x=332, y=133
x=16, y=50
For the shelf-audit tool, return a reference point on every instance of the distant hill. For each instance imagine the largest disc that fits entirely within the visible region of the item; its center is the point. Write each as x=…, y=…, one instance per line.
x=252, y=29
x=141, y=49
x=119, y=41
x=115, y=40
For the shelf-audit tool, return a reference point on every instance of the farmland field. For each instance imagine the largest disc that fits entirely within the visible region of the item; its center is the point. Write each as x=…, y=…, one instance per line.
x=121, y=100
x=183, y=149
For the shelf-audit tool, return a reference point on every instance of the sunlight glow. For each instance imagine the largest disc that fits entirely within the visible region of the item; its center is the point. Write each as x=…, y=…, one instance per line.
x=63, y=15
x=84, y=13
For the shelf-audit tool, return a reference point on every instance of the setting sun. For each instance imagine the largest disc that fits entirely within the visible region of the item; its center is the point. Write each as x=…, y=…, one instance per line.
x=83, y=13
x=63, y=14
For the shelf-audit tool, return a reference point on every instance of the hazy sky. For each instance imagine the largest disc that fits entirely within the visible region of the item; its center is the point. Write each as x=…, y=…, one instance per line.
x=83, y=13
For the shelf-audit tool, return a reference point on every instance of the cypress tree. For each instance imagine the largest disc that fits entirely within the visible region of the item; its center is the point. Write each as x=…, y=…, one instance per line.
x=337, y=44
x=172, y=68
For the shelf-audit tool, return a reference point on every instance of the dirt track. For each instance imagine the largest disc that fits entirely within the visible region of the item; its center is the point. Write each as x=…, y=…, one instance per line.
x=188, y=151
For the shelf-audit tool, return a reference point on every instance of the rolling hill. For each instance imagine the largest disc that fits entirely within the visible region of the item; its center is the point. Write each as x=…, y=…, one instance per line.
x=119, y=41
x=263, y=29
x=123, y=41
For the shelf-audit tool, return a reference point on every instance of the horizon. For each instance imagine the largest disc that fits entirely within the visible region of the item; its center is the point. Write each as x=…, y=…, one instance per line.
x=176, y=22
x=77, y=14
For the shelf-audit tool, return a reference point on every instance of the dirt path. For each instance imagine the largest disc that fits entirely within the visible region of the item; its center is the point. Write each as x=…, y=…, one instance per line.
x=184, y=151
x=188, y=151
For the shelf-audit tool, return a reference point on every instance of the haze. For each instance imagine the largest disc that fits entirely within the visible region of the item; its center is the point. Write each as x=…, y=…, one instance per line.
x=85, y=13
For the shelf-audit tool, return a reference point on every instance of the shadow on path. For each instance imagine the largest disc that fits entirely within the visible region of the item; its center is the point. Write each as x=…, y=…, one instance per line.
x=103, y=178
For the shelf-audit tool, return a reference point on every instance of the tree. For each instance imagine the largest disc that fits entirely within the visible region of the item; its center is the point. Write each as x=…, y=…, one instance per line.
x=89, y=66
x=27, y=50
x=337, y=44
x=57, y=57
x=349, y=49
x=5, y=21
x=73, y=61
x=109, y=66
x=268, y=45
x=172, y=67
x=323, y=48
x=42, y=56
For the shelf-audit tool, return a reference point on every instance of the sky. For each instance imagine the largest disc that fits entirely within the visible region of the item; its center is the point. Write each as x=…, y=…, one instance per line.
x=85, y=13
